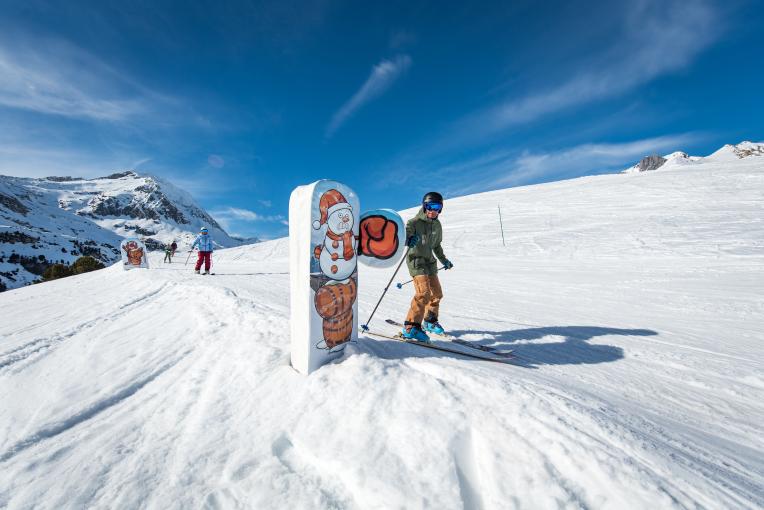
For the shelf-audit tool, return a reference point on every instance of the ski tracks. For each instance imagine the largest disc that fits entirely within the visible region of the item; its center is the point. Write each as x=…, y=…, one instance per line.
x=187, y=383
x=54, y=429
x=198, y=417
x=32, y=351
x=560, y=449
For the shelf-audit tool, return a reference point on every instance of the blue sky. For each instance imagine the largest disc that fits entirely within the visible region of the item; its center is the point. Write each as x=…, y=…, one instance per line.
x=239, y=102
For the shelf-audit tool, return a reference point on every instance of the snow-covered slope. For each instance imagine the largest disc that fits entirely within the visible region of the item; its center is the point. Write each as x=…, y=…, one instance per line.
x=633, y=302
x=59, y=218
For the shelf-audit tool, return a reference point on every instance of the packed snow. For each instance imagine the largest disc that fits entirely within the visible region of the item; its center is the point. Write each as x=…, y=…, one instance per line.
x=633, y=302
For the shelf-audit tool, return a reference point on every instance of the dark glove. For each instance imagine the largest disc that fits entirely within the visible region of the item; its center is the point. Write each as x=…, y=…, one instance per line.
x=447, y=264
x=412, y=241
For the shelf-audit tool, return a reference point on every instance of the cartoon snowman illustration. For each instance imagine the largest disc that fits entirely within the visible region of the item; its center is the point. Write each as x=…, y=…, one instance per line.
x=337, y=260
x=337, y=254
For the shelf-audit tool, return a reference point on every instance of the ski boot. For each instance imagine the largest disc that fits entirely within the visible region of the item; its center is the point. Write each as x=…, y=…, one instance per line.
x=196, y=271
x=415, y=333
x=433, y=327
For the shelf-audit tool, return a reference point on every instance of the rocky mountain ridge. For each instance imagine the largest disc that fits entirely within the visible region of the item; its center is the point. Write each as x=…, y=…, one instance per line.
x=57, y=219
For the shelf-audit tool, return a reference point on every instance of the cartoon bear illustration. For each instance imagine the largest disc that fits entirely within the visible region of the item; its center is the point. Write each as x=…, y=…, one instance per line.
x=134, y=253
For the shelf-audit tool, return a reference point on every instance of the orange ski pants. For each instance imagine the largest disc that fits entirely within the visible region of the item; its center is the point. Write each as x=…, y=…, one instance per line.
x=426, y=302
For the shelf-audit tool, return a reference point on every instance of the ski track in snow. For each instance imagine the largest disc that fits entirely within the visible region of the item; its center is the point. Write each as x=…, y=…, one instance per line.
x=638, y=380
x=45, y=344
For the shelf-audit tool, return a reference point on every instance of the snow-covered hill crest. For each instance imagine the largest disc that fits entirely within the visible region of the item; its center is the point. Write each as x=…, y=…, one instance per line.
x=729, y=153
x=57, y=219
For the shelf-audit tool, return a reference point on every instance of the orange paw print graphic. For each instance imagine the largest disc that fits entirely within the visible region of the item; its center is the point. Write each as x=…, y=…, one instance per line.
x=379, y=237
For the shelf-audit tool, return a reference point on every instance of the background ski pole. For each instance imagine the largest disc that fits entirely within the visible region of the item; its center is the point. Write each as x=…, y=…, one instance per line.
x=365, y=327
x=400, y=285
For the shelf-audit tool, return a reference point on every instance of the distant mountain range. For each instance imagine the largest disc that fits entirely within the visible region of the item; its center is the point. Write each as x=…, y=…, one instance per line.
x=57, y=219
x=678, y=159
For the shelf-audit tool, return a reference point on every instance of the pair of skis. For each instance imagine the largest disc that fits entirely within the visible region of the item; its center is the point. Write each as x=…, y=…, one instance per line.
x=485, y=352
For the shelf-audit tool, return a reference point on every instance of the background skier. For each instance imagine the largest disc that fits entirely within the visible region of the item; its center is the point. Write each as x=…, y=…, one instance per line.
x=204, y=241
x=423, y=237
x=173, y=247
x=168, y=254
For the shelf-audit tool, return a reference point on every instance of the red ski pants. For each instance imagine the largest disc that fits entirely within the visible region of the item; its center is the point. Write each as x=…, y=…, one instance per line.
x=206, y=257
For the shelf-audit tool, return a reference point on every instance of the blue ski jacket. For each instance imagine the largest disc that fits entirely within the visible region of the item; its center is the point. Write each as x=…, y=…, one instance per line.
x=204, y=242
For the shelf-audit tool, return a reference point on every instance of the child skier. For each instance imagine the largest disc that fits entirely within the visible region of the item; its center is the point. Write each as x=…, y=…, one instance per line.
x=204, y=240
x=423, y=237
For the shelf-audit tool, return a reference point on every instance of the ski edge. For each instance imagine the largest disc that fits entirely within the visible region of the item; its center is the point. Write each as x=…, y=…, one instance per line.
x=398, y=338
x=484, y=348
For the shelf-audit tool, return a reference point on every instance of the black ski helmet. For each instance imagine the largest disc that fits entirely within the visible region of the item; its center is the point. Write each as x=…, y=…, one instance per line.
x=432, y=196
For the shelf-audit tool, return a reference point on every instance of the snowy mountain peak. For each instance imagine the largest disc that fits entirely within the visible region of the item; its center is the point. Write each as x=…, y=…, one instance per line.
x=677, y=155
x=740, y=151
x=139, y=197
x=727, y=153
x=57, y=219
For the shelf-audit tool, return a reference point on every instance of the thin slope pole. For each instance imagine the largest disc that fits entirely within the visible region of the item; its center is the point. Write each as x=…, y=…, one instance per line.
x=502, y=228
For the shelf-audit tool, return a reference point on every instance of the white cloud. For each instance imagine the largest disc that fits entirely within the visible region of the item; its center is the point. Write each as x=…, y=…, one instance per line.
x=52, y=76
x=240, y=214
x=236, y=213
x=382, y=77
x=37, y=160
x=659, y=37
x=137, y=164
x=233, y=218
x=65, y=80
x=501, y=170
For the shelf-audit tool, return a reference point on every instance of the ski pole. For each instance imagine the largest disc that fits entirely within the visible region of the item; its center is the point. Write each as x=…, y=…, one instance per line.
x=400, y=285
x=189, y=257
x=365, y=327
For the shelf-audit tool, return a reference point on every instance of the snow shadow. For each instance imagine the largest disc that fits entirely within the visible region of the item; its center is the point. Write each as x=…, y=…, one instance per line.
x=533, y=347
x=573, y=349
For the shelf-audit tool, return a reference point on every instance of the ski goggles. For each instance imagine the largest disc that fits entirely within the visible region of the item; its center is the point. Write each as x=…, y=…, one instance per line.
x=433, y=206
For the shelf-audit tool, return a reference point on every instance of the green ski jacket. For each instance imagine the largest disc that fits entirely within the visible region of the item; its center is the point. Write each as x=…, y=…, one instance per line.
x=420, y=259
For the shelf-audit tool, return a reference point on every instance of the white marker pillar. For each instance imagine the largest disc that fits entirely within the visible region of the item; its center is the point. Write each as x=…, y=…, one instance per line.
x=324, y=222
